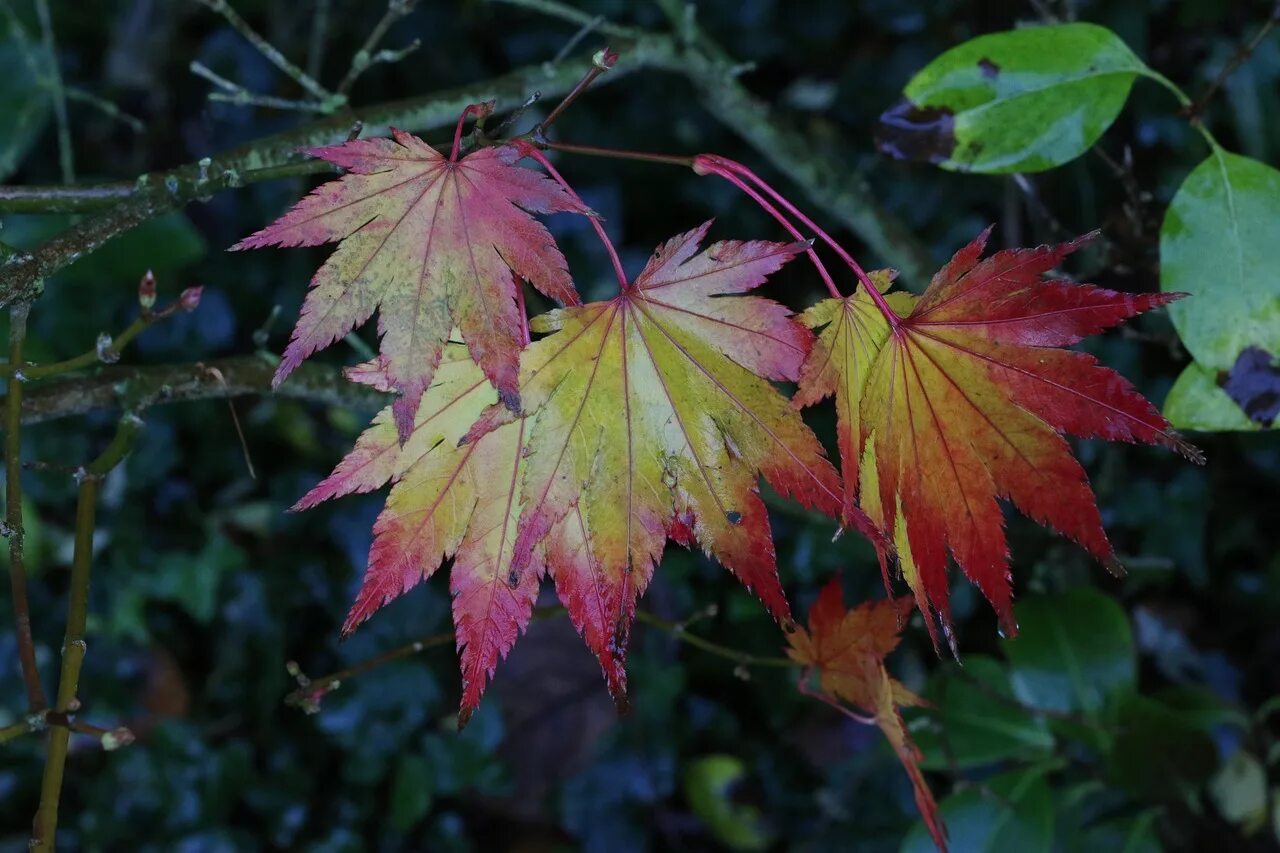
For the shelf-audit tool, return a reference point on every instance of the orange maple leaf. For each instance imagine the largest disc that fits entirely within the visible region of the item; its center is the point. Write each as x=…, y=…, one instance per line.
x=962, y=398
x=848, y=648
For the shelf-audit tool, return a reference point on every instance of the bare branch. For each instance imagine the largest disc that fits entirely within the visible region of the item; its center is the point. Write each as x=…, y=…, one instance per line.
x=117, y=387
x=274, y=56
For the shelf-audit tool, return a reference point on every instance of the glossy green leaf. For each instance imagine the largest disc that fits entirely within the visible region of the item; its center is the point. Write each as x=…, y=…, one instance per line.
x=1125, y=835
x=1239, y=790
x=708, y=786
x=1014, y=812
x=970, y=724
x=1018, y=101
x=411, y=792
x=1197, y=402
x=1220, y=242
x=1159, y=752
x=1073, y=651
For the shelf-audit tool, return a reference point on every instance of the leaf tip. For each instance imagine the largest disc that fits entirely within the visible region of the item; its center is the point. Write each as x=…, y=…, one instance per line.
x=1113, y=565
x=511, y=399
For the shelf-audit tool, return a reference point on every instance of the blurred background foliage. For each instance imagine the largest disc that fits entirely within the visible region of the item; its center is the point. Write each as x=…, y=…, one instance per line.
x=1131, y=714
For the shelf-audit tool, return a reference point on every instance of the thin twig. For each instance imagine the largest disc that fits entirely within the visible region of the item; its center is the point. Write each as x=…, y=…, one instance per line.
x=234, y=93
x=553, y=9
x=319, y=38
x=736, y=655
x=311, y=691
x=45, y=826
x=576, y=39
x=36, y=699
x=264, y=47
x=66, y=156
x=1195, y=110
x=110, y=739
x=106, y=351
x=366, y=56
x=107, y=108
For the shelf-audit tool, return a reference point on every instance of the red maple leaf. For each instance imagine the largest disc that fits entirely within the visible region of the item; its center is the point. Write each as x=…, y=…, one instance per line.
x=962, y=398
x=431, y=243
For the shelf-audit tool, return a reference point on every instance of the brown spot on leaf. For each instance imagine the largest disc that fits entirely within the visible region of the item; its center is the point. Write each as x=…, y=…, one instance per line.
x=908, y=132
x=989, y=68
x=1254, y=384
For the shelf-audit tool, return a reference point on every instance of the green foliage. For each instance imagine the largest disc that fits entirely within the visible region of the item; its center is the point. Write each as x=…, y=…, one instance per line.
x=708, y=786
x=1022, y=101
x=1072, y=653
x=1196, y=401
x=1012, y=811
x=975, y=720
x=1031, y=99
x=1221, y=241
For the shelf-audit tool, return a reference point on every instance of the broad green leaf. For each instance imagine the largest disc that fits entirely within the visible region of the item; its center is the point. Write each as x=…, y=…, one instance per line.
x=1073, y=651
x=974, y=726
x=708, y=786
x=1013, y=811
x=1197, y=402
x=1126, y=835
x=1018, y=101
x=24, y=100
x=411, y=792
x=1220, y=242
x=1159, y=752
x=1239, y=790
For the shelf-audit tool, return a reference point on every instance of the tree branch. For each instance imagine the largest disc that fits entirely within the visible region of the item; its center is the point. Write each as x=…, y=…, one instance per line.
x=118, y=387
x=830, y=183
x=36, y=700
x=160, y=192
x=73, y=645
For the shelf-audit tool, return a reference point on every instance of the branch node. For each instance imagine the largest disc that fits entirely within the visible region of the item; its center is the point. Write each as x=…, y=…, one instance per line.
x=117, y=738
x=106, y=354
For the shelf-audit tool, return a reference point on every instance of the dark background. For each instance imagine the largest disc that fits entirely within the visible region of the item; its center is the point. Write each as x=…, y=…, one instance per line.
x=204, y=587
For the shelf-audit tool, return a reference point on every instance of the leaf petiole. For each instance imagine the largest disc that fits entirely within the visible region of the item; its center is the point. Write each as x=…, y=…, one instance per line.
x=722, y=166
x=600, y=63
x=530, y=150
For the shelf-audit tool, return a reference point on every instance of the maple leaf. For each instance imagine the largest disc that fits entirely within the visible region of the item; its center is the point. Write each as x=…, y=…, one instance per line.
x=656, y=418
x=964, y=399
x=447, y=501
x=848, y=649
x=430, y=242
